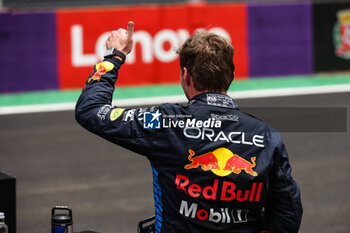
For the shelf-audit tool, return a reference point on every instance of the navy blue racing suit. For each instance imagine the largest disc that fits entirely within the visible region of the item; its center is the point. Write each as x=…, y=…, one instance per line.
x=215, y=168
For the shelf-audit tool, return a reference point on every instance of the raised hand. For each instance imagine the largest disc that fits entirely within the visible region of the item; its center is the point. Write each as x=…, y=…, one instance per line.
x=121, y=39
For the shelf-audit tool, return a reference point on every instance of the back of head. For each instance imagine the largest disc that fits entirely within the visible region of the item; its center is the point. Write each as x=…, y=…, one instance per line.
x=209, y=60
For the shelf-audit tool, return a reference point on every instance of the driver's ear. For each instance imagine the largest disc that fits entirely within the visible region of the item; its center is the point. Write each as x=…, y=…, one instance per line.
x=187, y=77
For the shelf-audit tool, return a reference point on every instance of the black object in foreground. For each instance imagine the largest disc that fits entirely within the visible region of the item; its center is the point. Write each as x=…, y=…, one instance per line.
x=147, y=225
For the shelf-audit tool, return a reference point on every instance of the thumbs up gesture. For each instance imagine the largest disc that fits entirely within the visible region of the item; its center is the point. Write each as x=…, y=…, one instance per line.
x=121, y=39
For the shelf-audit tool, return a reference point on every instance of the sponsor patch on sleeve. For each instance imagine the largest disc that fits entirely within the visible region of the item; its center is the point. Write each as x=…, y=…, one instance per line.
x=103, y=111
x=115, y=113
x=100, y=69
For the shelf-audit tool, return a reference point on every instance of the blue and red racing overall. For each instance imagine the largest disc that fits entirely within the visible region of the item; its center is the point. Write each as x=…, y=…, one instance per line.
x=215, y=168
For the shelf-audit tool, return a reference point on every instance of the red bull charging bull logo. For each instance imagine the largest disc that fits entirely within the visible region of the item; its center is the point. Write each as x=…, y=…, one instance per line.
x=221, y=162
x=101, y=69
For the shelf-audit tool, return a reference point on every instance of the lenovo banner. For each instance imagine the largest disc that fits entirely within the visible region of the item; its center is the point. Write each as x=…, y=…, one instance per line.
x=159, y=31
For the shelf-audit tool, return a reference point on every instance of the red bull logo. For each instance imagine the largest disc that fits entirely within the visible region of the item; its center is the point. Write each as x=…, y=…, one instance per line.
x=222, y=162
x=101, y=69
x=219, y=190
x=207, y=161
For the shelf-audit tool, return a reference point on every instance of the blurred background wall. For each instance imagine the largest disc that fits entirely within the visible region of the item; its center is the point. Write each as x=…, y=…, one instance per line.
x=52, y=44
x=32, y=4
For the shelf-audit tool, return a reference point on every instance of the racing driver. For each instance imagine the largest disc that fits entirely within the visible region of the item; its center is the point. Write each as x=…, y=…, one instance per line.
x=215, y=168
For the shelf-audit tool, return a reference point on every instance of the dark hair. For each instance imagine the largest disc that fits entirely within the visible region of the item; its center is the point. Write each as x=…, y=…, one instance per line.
x=209, y=60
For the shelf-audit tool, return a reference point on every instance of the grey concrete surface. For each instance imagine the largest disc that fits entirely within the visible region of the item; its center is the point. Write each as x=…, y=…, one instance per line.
x=56, y=162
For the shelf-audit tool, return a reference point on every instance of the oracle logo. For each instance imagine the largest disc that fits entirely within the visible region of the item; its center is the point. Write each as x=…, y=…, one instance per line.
x=152, y=47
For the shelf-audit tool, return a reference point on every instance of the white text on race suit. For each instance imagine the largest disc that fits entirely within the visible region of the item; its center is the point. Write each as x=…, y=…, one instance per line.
x=222, y=215
x=213, y=136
